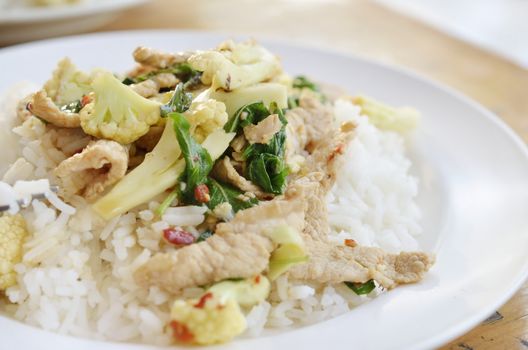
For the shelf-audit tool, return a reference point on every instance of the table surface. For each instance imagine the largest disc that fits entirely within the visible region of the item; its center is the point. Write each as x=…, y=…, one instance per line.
x=368, y=29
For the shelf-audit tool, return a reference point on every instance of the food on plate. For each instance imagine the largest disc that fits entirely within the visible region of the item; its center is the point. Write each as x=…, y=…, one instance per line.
x=202, y=196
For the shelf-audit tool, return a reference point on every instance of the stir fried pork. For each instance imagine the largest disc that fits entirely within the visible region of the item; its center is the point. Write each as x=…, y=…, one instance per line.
x=239, y=248
x=43, y=107
x=264, y=130
x=226, y=172
x=159, y=59
x=307, y=125
x=152, y=86
x=101, y=164
x=331, y=263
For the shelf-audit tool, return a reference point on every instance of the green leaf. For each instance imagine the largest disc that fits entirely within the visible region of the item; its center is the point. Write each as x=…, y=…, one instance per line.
x=301, y=82
x=248, y=114
x=222, y=193
x=269, y=172
x=361, y=288
x=198, y=162
x=72, y=107
x=168, y=200
x=203, y=236
x=182, y=71
x=179, y=102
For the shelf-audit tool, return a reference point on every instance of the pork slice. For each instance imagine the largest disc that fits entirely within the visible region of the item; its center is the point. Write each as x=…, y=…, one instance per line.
x=239, y=248
x=226, y=172
x=159, y=59
x=230, y=255
x=264, y=130
x=101, y=164
x=332, y=264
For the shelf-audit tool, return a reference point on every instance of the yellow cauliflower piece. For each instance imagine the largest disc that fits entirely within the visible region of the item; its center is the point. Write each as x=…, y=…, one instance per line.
x=117, y=112
x=206, y=320
x=216, y=317
x=12, y=234
x=206, y=117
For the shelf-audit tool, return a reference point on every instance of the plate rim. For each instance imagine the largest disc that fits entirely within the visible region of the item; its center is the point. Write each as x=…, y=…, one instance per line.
x=38, y=15
x=449, y=333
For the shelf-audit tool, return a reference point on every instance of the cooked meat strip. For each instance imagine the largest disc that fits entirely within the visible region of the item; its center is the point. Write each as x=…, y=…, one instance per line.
x=159, y=59
x=151, y=138
x=101, y=164
x=43, y=107
x=220, y=257
x=239, y=248
x=152, y=86
x=226, y=172
x=145, y=88
x=264, y=130
x=330, y=263
x=307, y=124
x=326, y=157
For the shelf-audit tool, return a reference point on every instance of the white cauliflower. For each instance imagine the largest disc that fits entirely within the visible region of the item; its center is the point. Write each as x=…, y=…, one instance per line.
x=206, y=117
x=216, y=317
x=387, y=117
x=117, y=112
x=67, y=83
x=12, y=234
x=233, y=66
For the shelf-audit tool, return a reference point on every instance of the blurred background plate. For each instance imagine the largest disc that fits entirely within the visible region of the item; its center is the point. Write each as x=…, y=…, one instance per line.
x=23, y=23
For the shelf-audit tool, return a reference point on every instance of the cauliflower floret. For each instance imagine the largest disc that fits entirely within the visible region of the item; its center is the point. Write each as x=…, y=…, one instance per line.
x=216, y=317
x=117, y=112
x=214, y=322
x=206, y=117
x=387, y=117
x=12, y=234
x=234, y=66
x=67, y=84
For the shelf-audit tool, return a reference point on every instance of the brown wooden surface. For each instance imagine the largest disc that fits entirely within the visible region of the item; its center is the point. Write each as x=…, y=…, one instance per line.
x=370, y=30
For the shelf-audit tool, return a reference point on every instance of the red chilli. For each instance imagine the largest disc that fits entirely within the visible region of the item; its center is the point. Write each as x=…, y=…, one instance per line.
x=201, y=303
x=181, y=332
x=85, y=100
x=178, y=236
x=257, y=279
x=350, y=243
x=201, y=193
x=340, y=149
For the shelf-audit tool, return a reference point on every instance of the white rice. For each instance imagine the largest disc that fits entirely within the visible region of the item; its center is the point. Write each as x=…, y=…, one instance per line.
x=76, y=273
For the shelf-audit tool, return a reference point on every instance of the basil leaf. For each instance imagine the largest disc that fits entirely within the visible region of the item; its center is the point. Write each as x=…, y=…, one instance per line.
x=249, y=114
x=72, y=107
x=203, y=236
x=179, y=102
x=222, y=193
x=182, y=71
x=361, y=288
x=198, y=162
x=269, y=172
x=301, y=82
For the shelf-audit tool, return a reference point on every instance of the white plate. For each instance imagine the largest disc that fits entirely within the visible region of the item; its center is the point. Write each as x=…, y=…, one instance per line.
x=474, y=193
x=19, y=24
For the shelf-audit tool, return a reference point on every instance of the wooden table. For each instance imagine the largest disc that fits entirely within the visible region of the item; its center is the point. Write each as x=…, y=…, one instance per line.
x=368, y=29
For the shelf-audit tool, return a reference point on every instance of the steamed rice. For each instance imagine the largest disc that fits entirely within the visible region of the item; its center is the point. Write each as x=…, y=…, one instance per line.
x=76, y=273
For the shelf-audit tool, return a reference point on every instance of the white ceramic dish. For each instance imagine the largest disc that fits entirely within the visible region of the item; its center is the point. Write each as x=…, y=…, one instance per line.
x=474, y=193
x=18, y=24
